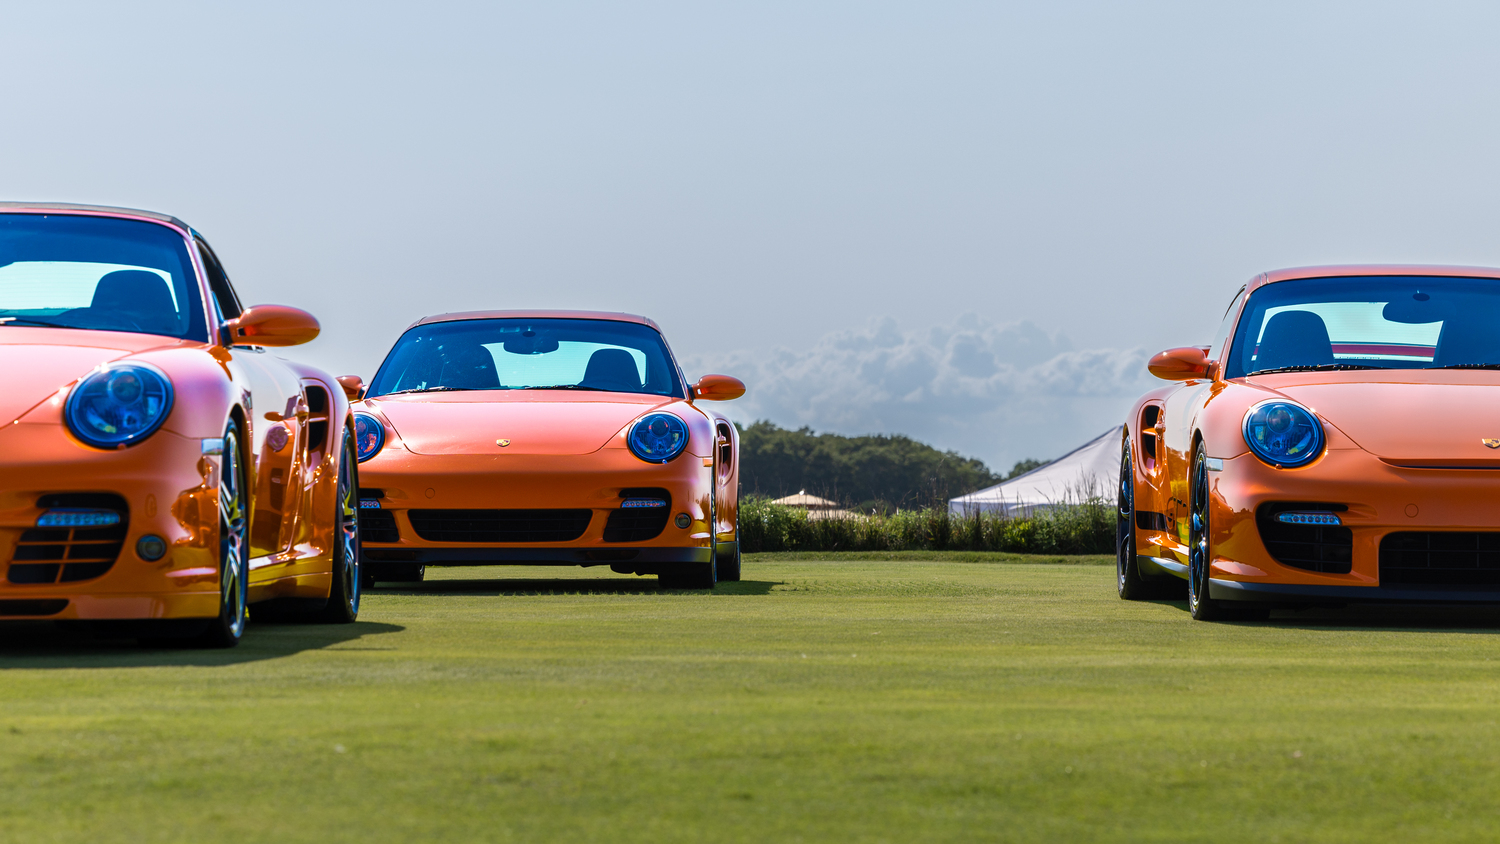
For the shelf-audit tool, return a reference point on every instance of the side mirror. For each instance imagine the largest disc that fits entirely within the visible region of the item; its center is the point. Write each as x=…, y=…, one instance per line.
x=718, y=388
x=1184, y=364
x=273, y=325
x=354, y=388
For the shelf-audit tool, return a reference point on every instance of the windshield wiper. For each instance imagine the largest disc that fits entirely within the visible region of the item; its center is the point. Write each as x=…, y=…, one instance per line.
x=427, y=390
x=1466, y=366
x=1322, y=367
x=21, y=320
x=564, y=387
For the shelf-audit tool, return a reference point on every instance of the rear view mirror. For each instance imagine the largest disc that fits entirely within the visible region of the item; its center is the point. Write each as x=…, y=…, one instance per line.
x=273, y=325
x=718, y=388
x=530, y=343
x=1184, y=364
x=354, y=386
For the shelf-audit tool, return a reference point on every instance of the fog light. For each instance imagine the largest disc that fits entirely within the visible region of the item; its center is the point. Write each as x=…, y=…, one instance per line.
x=683, y=520
x=151, y=548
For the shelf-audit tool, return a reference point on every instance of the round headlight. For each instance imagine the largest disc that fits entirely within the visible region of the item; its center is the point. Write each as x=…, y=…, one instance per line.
x=120, y=404
x=1283, y=433
x=658, y=438
x=369, y=436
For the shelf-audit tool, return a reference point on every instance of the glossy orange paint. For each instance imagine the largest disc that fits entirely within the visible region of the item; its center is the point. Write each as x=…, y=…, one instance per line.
x=275, y=325
x=718, y=388
x=169, y=481
x=1404, y=451
x=550, y=450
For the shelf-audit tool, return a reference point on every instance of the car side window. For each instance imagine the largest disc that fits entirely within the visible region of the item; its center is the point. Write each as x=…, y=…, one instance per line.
x=218, y=282
x=1221, y=337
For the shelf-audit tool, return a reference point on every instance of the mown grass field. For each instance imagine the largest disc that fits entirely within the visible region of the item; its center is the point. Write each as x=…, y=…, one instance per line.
x=863, y=700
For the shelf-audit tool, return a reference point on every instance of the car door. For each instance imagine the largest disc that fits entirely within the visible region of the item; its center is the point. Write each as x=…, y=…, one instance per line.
x=277, y=411
x=1182, y=409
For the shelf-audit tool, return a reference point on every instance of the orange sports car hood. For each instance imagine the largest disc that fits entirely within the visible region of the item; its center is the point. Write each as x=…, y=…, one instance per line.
x=533, y=422
x=1407, y=417
x=38, y=362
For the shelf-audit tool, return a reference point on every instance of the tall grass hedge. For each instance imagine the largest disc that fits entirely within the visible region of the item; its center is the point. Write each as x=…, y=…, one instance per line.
x=1086, y=527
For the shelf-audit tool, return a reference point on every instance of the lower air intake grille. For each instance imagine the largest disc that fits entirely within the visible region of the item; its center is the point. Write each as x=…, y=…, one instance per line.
x=65, y=555
x=378, y=526
x=1323, y=548
x=499, y=525
x=638, y=524
x=1440, y=557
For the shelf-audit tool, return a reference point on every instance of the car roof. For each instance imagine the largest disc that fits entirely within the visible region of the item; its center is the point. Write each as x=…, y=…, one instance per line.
x=93, y=210
x=536, y=314
x=1337, y=270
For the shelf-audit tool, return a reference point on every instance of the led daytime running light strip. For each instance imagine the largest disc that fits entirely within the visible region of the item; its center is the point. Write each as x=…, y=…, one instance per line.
x=78, y=518
x=1294, y=517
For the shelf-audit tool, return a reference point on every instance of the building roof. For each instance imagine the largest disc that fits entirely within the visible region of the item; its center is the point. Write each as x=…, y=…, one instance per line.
x=809, y=502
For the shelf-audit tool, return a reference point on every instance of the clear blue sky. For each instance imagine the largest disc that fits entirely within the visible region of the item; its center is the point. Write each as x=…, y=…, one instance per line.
x=854, y=203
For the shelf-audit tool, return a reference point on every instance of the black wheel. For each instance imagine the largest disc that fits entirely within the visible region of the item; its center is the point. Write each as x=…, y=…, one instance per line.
x=1200, y=550
x=729, y=565
x=344, y=593
x=1132, y=585
x=234, y=572
x=1127, y=577
x=692, y=575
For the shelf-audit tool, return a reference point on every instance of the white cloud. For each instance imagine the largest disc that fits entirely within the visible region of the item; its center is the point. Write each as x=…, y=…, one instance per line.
x=997, y=392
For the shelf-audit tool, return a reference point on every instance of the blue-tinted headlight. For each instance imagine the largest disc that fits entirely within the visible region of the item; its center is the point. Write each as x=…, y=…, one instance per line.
x=369, y=436
x=121, y=404
x=658, y=438
x=1283, y=433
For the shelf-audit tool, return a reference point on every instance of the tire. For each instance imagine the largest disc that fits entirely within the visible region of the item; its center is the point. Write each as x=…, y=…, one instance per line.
x=228, y=628
x=1200, y=552
x=1128, y=580
x=692, y=575
x=344, y=593
x=729, y=567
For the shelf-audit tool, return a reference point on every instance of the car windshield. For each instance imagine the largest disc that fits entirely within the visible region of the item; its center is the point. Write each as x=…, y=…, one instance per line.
x=529, y=354
x=98, y=273
x=1379, y=322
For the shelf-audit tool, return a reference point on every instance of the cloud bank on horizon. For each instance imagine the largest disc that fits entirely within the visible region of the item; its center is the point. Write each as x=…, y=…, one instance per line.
x=997, y=391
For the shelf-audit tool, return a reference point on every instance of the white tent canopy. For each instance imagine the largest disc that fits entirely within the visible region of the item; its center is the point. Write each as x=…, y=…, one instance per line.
x=1092, y=469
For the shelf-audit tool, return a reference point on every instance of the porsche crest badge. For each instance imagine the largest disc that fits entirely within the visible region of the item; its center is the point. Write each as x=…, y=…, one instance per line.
x=1491, y=443
x=504, y=443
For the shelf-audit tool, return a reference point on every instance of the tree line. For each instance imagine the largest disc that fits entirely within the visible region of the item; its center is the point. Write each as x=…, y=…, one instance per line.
x=879, y=472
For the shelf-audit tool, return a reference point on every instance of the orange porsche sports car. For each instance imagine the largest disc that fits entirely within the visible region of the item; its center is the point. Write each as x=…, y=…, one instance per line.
x=1338, y=441
x=546, y=437
x=156, y=463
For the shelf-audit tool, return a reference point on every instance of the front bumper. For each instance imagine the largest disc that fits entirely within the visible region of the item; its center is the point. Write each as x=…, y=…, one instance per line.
x=1381, y=499
x=1300, y=593
x=170, y=490
x=592, y=482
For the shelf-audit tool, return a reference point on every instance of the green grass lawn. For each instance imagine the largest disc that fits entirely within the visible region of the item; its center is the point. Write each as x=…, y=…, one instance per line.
x=874, y=700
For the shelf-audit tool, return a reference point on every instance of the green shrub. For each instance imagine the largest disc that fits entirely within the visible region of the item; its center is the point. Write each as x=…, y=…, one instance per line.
x=1087, y=527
